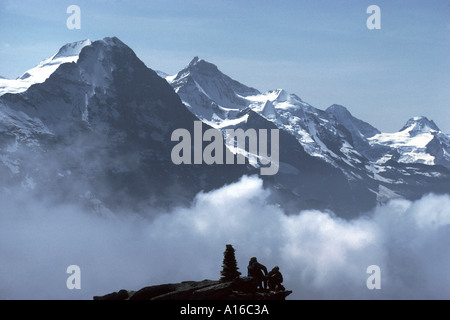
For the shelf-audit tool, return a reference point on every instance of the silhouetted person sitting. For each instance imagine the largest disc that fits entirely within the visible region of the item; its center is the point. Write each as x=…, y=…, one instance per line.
x=258, y=272
x=275, y=278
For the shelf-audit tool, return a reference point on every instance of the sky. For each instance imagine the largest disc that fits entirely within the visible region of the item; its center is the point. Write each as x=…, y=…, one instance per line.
x=320, y=50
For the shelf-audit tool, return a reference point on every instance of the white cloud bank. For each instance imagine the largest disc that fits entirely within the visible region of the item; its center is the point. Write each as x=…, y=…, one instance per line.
x=321, y=256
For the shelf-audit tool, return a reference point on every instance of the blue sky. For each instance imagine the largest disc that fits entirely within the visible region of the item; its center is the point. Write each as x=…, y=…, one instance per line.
x=320, y=50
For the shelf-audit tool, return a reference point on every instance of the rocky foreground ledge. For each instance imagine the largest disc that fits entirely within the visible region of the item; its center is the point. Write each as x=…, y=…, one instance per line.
x=238, y=289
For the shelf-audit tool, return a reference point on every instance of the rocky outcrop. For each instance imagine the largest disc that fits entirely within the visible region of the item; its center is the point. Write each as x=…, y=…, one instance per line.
x=238, y=289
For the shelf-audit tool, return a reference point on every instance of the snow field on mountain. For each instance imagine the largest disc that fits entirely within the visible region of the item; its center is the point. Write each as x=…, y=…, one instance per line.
x=67, y=54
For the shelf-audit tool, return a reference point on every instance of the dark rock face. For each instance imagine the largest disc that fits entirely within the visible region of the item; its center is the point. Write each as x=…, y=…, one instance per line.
x=97, y=133
x=121, y=295
x=238, y=289
x=104, y=124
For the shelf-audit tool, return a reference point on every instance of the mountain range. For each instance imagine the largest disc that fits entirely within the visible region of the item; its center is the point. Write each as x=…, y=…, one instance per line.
x=92, y=125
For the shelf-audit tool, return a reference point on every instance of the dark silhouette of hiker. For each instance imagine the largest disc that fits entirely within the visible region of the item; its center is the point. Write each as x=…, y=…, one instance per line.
x=258, y=272
x=275, y=278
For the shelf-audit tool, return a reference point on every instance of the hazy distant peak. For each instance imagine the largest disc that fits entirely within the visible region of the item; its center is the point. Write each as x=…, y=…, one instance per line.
x=194, y=61
x=337, y=109
x=203, y=67
x=72, y=49
x=418, y=125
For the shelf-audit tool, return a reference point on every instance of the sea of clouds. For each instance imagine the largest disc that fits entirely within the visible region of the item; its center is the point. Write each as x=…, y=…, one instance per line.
x=320, y=255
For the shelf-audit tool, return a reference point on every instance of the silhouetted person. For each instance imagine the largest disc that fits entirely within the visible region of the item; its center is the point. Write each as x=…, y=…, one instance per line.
x=275, y=278
x=258, y=272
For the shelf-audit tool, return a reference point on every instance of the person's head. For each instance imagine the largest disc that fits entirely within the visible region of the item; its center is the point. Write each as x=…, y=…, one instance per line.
x=276, y=268
x=253, y=259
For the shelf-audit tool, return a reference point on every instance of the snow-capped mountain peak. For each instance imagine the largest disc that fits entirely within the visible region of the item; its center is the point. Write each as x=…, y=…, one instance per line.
x=66, y=54
x=419, y=141
x=201, y=68
x=98, y=70
x=338, y=110
x=356, y=148
x=351, y=123
x=99, y=128
x=72, y=49
x=210, y=94
x=107, y=104
x=419, y=125
x=197, y=61
x=281, y=95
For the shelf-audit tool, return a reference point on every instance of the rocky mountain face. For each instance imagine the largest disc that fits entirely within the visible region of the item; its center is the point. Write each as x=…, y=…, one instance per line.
x=359, y=165
x=210, y=94
x=98, y=132
x=93, y=126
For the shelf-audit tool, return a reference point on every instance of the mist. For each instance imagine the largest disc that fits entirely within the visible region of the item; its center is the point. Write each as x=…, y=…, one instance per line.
x=320, y=255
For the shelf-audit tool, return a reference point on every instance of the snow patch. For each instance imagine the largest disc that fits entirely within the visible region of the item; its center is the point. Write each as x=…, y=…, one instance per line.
x=67, y=54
